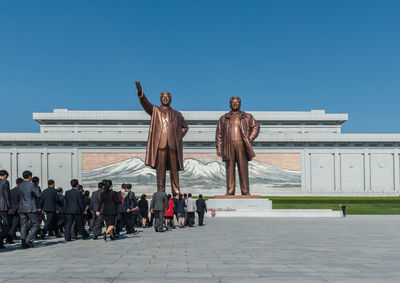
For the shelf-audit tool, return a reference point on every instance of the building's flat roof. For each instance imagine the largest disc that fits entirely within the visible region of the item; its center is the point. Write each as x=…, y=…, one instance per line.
x=68, y=115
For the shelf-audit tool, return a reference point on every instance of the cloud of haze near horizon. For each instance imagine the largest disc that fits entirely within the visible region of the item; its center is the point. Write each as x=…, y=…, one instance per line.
x=341, y=56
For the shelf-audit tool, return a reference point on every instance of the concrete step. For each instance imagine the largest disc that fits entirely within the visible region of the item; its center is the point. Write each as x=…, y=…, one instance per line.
x=277, y=213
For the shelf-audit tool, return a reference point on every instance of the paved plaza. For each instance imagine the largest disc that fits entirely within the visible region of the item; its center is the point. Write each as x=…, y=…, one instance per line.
x=352, y=249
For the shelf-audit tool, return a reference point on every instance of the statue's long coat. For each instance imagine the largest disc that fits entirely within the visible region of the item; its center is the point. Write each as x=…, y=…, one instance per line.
x=179, y=126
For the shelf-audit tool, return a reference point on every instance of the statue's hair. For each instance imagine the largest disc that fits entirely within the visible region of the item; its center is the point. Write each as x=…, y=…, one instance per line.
x=169, y=94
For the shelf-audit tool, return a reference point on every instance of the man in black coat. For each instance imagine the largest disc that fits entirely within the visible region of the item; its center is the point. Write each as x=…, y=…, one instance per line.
x=135, y=213
x=59, y=206
x=28, y=194
x=14, y=216
x=5, y=206
x=201, y=209
x=36, y=181
x=94, y=206
x=124, y=211
x=157, y=206
x=73, y=209
x=48, y=203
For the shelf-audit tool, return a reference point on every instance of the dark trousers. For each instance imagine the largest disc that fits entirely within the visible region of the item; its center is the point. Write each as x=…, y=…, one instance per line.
x=167, y=158
x=31, y=220
x=191, y=217
x=60, y=220
x=69, y=219
x=186, y=218
x=133, y=217
x=124, y=218
x=74, y=230
x=201, y=217
x=158, y=220
x=6, y=224
x=98, y=225
x=151, y=222
x=14, y=226
x=50, y=223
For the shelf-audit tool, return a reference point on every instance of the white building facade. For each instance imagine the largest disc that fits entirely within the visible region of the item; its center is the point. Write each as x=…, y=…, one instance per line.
x=298, y=153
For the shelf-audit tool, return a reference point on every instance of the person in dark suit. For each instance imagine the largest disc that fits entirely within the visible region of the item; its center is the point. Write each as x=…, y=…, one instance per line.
x=201, y=209
x=175, y=200
x=86, y=205
x=28, y=194
x=5, y=206
x=89, y=216
x=94, y=206
x=73, y=209
x=74, y=229
x=108, y=204
x=14, y=216
x=35, y=181
x=158, y=204
x=134, y=215
x=48, y=204
x=181, y=208
x=124, y=211
x=59, y=206
x=144, y=210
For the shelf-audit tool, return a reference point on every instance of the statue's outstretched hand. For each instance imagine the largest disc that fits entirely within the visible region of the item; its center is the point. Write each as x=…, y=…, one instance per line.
x=139, y=88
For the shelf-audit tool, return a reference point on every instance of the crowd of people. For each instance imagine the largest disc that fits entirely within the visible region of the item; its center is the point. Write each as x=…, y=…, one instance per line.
x=36, y=214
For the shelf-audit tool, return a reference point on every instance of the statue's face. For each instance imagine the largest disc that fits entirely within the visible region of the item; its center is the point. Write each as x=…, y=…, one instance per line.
x=165, y=99
x=235, y=104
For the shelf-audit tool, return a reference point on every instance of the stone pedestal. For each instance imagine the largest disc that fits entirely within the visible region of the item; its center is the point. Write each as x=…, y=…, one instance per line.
x=255, y=206
x=238, y=203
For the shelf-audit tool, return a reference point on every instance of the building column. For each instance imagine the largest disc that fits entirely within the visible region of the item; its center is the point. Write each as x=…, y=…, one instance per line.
x=337, y=173
x=14, y=167
x=396, y=170
x=45, y=168
x=367, y=171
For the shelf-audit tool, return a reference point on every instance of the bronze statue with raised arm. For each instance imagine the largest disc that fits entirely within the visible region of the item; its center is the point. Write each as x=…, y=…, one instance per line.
x=164, y=144
x=236, y=131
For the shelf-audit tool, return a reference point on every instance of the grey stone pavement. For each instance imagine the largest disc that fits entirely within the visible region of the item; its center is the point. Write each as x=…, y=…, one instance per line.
x=352, y=249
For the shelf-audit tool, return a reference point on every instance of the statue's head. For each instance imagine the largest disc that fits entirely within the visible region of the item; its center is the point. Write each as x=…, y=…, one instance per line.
x=235, y=103
x=165, y=98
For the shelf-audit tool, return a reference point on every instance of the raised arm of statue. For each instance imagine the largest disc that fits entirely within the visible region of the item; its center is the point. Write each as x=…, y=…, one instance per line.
x=218, y=138
x=147, y=106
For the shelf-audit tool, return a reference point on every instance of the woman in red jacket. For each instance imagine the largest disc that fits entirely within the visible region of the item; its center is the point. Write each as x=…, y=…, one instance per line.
x=169, y=213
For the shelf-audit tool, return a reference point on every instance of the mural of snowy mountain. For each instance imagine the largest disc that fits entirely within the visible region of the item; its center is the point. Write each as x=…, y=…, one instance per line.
x=199, y=174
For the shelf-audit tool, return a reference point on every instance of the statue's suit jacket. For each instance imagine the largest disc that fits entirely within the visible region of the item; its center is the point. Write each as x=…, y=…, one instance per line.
x=179, y=125
x=5, y=198
x=249, y=130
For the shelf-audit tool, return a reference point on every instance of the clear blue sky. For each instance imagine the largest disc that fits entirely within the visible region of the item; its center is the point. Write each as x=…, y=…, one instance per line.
x=342, y=56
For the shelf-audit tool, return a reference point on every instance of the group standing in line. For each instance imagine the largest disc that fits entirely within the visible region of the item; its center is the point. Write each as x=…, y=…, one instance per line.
x=26, y=207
